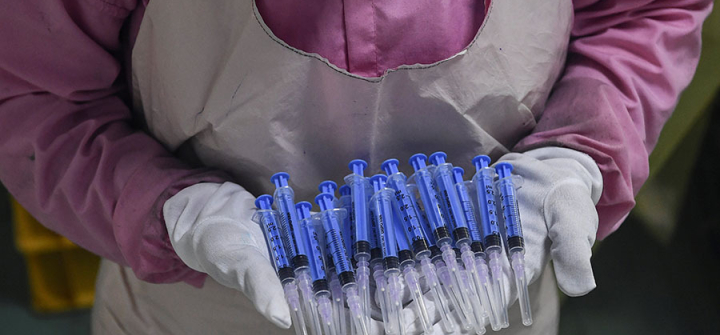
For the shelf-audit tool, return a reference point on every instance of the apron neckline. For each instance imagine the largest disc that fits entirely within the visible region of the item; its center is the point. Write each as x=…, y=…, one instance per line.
x=318, y=58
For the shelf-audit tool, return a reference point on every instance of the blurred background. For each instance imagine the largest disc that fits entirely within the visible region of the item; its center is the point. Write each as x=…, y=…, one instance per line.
x=658, y=274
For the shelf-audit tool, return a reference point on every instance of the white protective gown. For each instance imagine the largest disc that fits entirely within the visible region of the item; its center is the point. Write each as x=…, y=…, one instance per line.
x=211, y=81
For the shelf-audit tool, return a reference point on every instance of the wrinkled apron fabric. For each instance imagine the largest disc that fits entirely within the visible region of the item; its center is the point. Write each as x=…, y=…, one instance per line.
x=212, y=82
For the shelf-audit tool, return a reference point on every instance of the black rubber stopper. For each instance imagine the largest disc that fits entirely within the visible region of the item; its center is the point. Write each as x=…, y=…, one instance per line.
x=461, y=233
x=419, y=246
x=492, y=240
x=477, y=246
x=515, y=241
x=391, y=263
x=346, y=277
x=285, y=273
x=375, y=253
x=300, y=261
x=435, y=251
x=362, y=247
x=320, y=285
x=441, y=233
x=405, y=255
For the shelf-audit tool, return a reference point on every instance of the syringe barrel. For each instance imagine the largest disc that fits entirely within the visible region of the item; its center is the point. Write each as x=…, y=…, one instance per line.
x=511, y=212
x=382, y=209
x=313, y=242
x=285, y=203
x=451, y=201
x=424, y=224
x=375, y=251
x=331, y=218
x=347, y=227
x=461, y=187
x=269, y=220
x=402, y=241
x=409, y=216
x=485, y=191
x=430, y=198
x=359, y=216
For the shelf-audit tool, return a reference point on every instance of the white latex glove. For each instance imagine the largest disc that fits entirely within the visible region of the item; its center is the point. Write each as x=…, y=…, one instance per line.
x=211, y=229
x=559, y=221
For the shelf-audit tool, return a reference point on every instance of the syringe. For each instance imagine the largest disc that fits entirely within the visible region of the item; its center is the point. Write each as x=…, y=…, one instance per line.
x=299, y=242
x=381, y=208
x=443, y=275
x=453, y=205
x=413, y=223
x=331, y=218
x=320, y=284
x=484, y=189
x=391, y=326
x=339, y=312
x=514, y=235
x=269, y=220
x=359, y=191
x=412, y=278
x=339, y=315
x=348, y=236
x=439, y=223
x=480, y=272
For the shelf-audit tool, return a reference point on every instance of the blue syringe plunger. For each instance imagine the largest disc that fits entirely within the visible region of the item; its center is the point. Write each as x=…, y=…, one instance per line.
x=418, y=161
x=280, y=179
x=325, y=201
x=305, y=208
x=481, y=162
x=264, y=201
x=458, y=173
x=378, y=182
x=503, y=169
x=358, y=166
x=344, y=190
x=329, y=187
x=438, y=158
x=390, y=166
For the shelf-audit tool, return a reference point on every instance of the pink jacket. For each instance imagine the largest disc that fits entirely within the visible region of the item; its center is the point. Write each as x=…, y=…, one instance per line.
x=71, y=153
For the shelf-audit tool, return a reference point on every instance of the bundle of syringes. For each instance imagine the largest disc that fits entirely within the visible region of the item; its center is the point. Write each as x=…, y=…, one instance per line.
x=389, y=228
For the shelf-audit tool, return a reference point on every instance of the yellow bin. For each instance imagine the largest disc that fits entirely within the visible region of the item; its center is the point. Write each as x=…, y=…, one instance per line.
x=61, y=275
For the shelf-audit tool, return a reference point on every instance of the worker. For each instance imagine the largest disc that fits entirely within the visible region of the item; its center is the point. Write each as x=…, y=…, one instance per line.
x=144, y=130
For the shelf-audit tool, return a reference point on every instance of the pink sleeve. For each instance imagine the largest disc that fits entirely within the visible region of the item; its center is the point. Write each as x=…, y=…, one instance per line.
x=68, y=150
x=628, y=62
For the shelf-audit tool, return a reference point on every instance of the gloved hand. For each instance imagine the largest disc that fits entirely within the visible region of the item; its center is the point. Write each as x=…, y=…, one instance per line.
x=557, y=210
x=211, y=229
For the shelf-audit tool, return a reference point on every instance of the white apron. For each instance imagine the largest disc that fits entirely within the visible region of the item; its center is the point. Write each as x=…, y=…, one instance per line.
x=210, y=79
